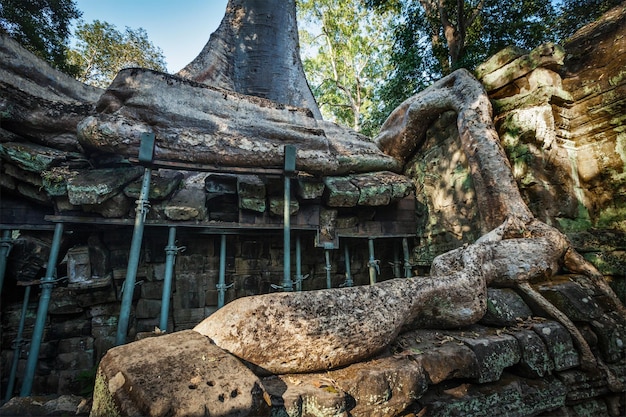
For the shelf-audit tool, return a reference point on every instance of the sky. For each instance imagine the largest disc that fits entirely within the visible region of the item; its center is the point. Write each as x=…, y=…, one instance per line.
x=180, y=28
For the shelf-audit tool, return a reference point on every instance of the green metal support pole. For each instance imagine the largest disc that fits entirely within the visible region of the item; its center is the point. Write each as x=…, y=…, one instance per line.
x=349, y=281
x=373, y=263
x=221, y=285
x=299, y=277
x=5, y=248
x=47, y=283
x=17, y=345
x=170, y=257
x=407, y=265
x=128, y=287
x=396, y=262
x=290, y=166
x=328, y=268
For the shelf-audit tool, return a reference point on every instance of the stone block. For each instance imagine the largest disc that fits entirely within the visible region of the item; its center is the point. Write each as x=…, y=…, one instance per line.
x=96, y=296
x=152, y=290
x=583, y=386
x=559, y=343
x=382, y=387
x=187, y=318
x=441, y=356
x=340, y=192
x=535, y=361
x=117, y=205
x=277, y=206
x=65, y=329
x=189, y=290
x=80, y=359
x=309, y=189
x=94, y=186
x=573, y=300
x=504, y=307
x=187, y=204
x=611, y=336
x=493, y=352
x=371, y=191
x=75, y=344
x=511, y=396
x=147, y=308
x=251, y=192
x=184, y=374
x=160, y=186
x=305, y=394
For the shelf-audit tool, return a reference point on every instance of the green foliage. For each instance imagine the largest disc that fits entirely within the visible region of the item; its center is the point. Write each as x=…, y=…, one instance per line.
x=345, y=50
x=41, y=26
x=101, y=51
x=574, y=14
x=435, y=37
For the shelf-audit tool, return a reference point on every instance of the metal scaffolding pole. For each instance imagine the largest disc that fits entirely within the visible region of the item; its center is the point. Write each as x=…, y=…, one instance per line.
x=146, y=153
x=17, y=345
x=373, y=263
x=221, y=285
x=170, y=257
x=328, y=268
x=407, y=264
x=349, y=281
x=299, y=277
x=47, y=283
x=290, y=166
x=5, y=248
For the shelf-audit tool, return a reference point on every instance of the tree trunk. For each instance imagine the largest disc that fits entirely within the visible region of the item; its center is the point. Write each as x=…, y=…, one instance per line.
x=256, y=51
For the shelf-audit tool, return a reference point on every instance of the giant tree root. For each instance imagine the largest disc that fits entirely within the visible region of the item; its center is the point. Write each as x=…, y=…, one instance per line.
x=320, y=330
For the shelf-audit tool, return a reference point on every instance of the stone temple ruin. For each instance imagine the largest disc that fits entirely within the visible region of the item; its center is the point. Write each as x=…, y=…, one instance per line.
x=417, y=311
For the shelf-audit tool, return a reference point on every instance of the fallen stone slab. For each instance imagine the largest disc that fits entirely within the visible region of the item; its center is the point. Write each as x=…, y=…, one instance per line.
x=535, y=361
x=161, y=186
x=504, y=307
x=37, y=158
x=180, y=375
x=559, y=344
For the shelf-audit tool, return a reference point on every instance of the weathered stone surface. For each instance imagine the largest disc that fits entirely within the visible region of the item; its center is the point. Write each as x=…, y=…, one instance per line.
x=97, y=185
x=504, y=307
x=251, y=193
x=223, y=127
x=161, y=186
x=509, y=396
x=305, y=395
x=494, y=352
x=40, y=102
x=186, y=204
x=382, y=387
x=340, y=192
x=572, y=299
x=609, y=329
x=117, y=205
x=559, y=344
x=309, y=189
x=45, y=406
x=441, y=356
x=535, y=362
x=148, y=308
x=180, y=374
x=545, y=55
x=277, y=206
x=37, y=158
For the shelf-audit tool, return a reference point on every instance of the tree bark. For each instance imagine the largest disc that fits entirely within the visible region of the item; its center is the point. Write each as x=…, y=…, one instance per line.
x=256, y=51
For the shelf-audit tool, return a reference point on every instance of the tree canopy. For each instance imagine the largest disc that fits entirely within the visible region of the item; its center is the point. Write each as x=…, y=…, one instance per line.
x=345, y=49
x=41, y=26
x=101, y=51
